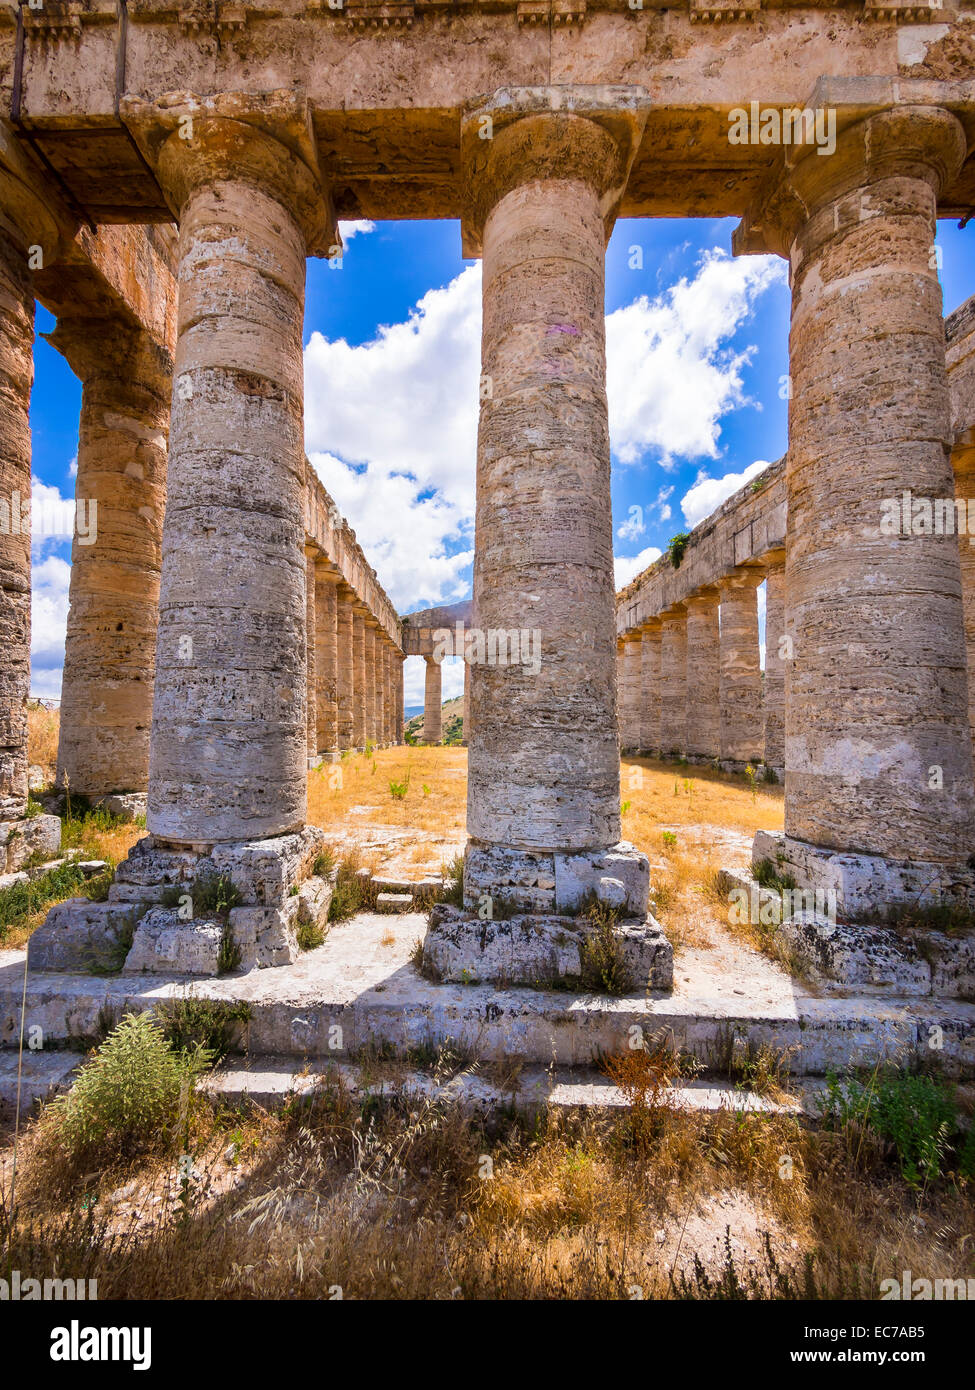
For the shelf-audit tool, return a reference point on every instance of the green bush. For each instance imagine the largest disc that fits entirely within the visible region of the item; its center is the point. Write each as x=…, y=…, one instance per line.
x=211, y=1025
x=913, y=1113
x=131, y=1098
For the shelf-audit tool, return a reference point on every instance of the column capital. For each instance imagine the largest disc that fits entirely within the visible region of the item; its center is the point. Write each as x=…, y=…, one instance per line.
x=919, y=142
x=521, y=134
x=703, y=598
x=268, y=142
x=115, y=349
x=741, y=579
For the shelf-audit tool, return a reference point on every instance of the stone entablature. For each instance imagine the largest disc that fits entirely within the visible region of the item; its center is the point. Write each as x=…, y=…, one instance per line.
x=960, y=359
x=746, y=530
x=421, y=629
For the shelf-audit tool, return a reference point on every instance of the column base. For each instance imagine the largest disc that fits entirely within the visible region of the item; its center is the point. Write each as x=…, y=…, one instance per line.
x=865, y=884
x=542, y=951
x=562, y=882
x=251, y=897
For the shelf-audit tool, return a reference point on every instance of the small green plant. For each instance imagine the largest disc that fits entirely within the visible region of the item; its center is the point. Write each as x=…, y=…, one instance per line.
x=750, y=774
x=624, y=807
x=215, y=895
x=212, y=1025
x=127, y=1099
x=767, y=875
x=425, y=789
x=602, y=962
x=669, y=837
x=676, y=547
x=913, y=1114
x=398, y=790
x=34, y=808
x=310, y=935
x=229, y=954
x=323, y=863
x=453, y=876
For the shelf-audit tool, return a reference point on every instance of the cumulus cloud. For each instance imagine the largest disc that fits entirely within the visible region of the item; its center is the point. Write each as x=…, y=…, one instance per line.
x=670, y=374
x=49, y=616
x=347, y=230
x=391, y=429
x=633, y=526
x=709, y=493
x=627, y=567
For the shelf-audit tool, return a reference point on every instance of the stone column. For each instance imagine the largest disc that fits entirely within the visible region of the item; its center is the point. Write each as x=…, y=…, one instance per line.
x=773, y=685
x=359, y=701
x=345, y=667
x=673, y=682
x=543, y=771
x=432, y=702
x=16, y=378
x=467, y=702
x=399, y=714
x=326, y=664
x=878, y=743
x=380, y=685
x=389, y=701
x=229, y=735
x=703, y=733
x=650, y=687
x=630, y=667
x=742, y=727
x=369, y=640
x=311, y=654
x=110, y=646
x=963, y=460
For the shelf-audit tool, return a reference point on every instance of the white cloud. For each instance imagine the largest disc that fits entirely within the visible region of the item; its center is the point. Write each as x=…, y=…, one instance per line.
x=347, y=230
x=709, y=493
x=633, y=526
x=665, y=513
x=391, y=429
x=49, y=617
x=627, y=567
x=414, y=679
x=73, y=467
x=670, y=377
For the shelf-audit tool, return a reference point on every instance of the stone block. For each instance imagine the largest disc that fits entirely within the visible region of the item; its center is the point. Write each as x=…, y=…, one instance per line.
x=536, y=949
x=79, y=935
x=10, y=880
x=578, y=876
x=952, y=960
x=266, y=935
x=22, y=839
x=314, y=900
x=857, y=955
x=394, y=902
x=128, y=805
x=521, y=880
x=265, y=871
x=166, y=944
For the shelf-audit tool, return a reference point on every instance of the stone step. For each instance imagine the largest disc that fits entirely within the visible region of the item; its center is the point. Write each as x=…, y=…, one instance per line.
x=360, y=988
x=270, y=1081
x=42, y=1076
x=394, y=902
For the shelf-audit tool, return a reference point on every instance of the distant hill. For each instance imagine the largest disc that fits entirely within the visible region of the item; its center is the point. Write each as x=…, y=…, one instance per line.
x=453, y=722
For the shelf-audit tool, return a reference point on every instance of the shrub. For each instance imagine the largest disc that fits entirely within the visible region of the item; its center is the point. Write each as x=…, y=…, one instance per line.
x=603, y=964
x=913, y=1114
x=131, y=1098
x=210, y=1025
x=453, y=876
x=398, y=790
x=676, y=547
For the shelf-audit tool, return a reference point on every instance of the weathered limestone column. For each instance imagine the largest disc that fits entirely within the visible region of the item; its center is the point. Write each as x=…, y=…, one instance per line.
x=359, y=701
x=673, y=682
x=229, y=735
x=878, y=743
x=16, y=378
x=650, y=687
x=703, y=729
x=543, y=770
x=311, y=654
x=432, y=702
x=326, y=662
x=369, y=642
x=399, y=710
x=110, y=647
x=390, y=693
x=630, y=668
x=380, y=686
x=963, y=460
x=742, y=726
x=773, y=685
x=345, y=667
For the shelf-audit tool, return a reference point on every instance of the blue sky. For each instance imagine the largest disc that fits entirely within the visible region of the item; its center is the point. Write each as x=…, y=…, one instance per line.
x=697, y=352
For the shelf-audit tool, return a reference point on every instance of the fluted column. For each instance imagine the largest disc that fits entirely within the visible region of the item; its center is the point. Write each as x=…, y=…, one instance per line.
x=399, y=713
x=703, y=733
x=16, y=377
x=326, y=664
x=345, y=667
x=878, y=742
x=963, y=460
x=650, y=687
x=229, y=736
x=110, y=645
x=432, y=702
x=773, y=685
x=673, y=682
x=369, y=675
x=742, y=725
x=359, y=700
x=630, y=667
x=311, y=655
x=543, y=752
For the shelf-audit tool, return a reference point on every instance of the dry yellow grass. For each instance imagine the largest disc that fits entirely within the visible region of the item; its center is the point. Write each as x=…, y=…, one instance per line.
x=42, y=738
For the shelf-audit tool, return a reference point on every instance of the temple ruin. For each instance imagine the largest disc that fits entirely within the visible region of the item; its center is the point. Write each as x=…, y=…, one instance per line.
x=165, y=171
